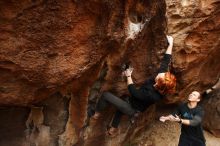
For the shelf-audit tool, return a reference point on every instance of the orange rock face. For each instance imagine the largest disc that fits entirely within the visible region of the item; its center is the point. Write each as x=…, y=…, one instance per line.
x=195, y=27
x=212, y=116
x=60, y=55
x=45, y=45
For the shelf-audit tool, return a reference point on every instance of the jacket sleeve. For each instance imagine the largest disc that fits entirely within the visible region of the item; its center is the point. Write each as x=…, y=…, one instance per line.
x=137, y=93
x=197, y=118
x=164, y=66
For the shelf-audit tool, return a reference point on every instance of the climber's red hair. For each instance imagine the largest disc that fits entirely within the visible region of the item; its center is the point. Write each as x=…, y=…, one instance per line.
x=167, y=84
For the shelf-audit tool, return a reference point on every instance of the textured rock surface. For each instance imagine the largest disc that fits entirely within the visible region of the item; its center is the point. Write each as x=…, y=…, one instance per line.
x=56, y=57
x=212, y=116
x=195, y=24
x=46, y=44
x=13, y=126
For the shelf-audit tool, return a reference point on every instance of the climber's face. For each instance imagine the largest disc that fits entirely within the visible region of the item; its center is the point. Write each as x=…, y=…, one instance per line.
x=194, y=96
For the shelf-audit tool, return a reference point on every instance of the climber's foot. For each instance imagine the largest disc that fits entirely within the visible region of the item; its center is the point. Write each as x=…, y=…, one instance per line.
x=112, y=132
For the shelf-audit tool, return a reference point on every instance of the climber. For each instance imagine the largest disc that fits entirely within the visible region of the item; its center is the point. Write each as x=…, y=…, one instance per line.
x=189, y=115
x=153, y=90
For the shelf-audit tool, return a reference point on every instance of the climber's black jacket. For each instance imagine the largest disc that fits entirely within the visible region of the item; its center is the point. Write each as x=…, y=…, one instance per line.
x=146, y=95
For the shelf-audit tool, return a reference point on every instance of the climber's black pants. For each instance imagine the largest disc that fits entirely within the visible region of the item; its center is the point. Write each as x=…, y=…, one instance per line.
x=116, y=119
x=188, y=141
x=123, y=107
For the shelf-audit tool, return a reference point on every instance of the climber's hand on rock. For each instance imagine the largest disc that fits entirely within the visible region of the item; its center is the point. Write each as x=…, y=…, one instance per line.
x=170, y=40
x=128, y=72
